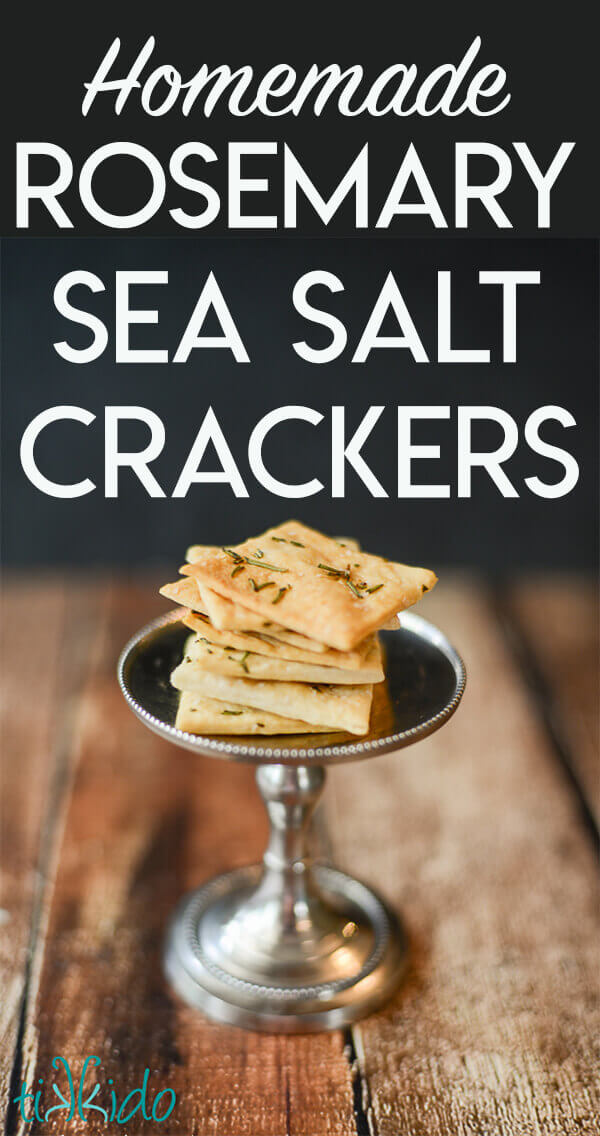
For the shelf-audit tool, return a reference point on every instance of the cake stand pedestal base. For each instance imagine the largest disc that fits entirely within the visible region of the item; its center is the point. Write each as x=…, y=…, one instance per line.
x=285, y=946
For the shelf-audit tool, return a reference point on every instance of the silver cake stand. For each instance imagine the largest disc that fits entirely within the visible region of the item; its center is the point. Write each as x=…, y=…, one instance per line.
x=289, y=945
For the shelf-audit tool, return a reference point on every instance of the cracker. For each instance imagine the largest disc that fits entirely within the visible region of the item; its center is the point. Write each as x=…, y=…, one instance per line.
x=230, y=616
x=202, y=654
x=197, y=715
x=322, y=589
x=185, y=592
x=337, y=707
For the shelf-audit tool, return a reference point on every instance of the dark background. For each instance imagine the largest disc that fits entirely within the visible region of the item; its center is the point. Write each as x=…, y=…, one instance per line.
x=557, y=353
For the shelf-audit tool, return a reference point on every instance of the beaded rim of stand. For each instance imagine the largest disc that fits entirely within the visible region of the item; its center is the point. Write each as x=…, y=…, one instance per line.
x=277, y=754
x=195, y=905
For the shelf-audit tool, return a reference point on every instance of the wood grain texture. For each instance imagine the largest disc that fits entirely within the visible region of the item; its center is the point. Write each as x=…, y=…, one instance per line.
x=145, y=823
x=23, y=766
x=559, y=619
x=45, y=631
x=475, y=836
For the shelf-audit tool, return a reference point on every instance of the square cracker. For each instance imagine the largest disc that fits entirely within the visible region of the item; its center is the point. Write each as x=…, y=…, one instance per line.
x=321, y=588
x=197, y=715
x=230, y=616
x=201, y=654
x=337, y=707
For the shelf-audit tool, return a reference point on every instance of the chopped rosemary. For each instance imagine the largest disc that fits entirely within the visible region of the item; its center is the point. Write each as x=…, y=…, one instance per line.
x=232, y=711
x=374, y=588
x=243, y=662
x=238, y=568
x=279, y=539
x=297, y=544
x=344, y=574
x=259, y=553
x=263, y=564
x=288, y=540
x=281, y=594
x=234, y=555
x=337, y=572
x=259, y=587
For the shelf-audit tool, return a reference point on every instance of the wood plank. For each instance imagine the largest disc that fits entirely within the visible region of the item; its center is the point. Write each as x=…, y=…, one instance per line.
x=559, y=619
x=145, y=823
x=43, y=644
x=477, y=838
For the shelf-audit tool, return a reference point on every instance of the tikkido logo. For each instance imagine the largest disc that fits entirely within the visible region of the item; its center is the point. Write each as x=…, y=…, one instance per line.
x=76, y=1100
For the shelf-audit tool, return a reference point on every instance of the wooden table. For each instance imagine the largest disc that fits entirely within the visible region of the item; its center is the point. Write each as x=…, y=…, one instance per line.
x=483, y=834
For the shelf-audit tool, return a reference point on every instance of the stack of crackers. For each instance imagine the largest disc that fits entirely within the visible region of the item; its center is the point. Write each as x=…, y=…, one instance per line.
x=284, y=632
